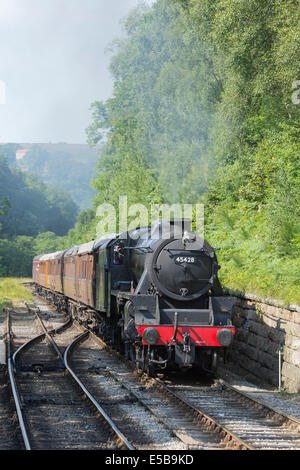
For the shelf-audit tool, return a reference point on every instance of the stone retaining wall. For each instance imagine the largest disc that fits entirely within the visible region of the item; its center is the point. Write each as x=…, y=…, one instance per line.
x=262, y=329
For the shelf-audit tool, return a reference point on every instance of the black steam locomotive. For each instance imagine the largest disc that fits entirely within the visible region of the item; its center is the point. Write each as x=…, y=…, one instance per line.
x=152, y=292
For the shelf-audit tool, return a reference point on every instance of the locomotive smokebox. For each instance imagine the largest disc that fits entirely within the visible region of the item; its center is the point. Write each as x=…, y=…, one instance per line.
x=174, y=260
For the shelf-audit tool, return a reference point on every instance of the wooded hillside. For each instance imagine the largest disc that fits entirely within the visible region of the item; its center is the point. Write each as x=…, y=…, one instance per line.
x=28, y=208
x=202, y=111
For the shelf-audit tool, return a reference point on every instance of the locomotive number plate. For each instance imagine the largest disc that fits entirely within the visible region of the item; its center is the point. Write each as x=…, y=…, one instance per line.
x=185, y=259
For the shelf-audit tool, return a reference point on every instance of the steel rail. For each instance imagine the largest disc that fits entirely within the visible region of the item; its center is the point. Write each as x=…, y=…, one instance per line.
x=49, y=337
x=13, y=383
x=229, y=437
x=290, y=420
x=11, y=365
x=16, y=395
x=41, y=336
x=212, y=423
x=99, y=409
x=232, y=439
x=80, y=338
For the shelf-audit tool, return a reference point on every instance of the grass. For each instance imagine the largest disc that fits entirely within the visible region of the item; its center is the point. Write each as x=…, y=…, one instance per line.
x=11, y=289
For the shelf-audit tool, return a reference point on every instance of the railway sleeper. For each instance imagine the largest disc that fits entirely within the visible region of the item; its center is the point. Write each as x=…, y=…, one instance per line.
x=41, y=368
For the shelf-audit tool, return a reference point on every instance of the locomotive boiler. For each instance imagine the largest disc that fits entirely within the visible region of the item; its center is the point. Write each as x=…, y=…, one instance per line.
x=152, y=292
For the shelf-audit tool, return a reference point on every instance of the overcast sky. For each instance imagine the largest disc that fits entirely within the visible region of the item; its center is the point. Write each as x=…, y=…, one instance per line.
x=53, y=63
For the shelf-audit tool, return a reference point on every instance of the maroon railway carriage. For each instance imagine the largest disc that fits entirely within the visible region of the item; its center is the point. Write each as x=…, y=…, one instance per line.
x=46, y=271
x=79, y=274
x=69, y=272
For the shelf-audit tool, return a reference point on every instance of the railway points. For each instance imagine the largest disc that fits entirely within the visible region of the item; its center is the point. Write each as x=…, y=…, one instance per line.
x=184, y=415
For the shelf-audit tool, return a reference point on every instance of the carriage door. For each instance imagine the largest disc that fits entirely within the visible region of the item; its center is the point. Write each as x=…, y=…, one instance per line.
x=103, y=281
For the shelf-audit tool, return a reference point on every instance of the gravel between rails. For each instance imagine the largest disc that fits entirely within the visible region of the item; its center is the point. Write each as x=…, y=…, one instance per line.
x=251, y=423
x=10, y=438
x=56, y=415
x=138, y=424
x=283, y=402
x=260, y=431
x=147, y=417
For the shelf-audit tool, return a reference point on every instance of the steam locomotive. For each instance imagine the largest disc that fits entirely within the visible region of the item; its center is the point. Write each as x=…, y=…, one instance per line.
x=152, y=292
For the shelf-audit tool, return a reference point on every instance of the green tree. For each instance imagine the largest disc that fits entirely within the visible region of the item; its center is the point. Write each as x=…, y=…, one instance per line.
x=202, y=111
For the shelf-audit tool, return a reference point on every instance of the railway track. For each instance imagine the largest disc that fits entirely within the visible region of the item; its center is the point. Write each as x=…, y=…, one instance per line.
x=258, y=425
x=154, y=413
x=10, y=438
x=145, y=408
x=139, y=424
x=237, y=419
x=52, y=413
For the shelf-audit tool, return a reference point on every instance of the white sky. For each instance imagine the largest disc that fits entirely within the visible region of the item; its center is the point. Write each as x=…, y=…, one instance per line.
x=54, y=65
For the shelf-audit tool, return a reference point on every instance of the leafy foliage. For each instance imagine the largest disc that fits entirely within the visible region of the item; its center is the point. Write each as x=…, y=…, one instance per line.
x=27, y=208
x=202, y=112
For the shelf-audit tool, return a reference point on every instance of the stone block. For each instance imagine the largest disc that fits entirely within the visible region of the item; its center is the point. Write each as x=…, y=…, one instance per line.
x=267, y=360
x=238, y=321
x=241, y=334
x=292, y=342
x=290, y=386
x=253, y=339
x=238, y=302
x=270, y=322
x=270, y=347
x=293, y=329
x=292, y=356
x=296, y=318
x=249, y=304
x=277, y=336
x=286, y=315
x=291, y=371
x=255, y=327
x=240, y=347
